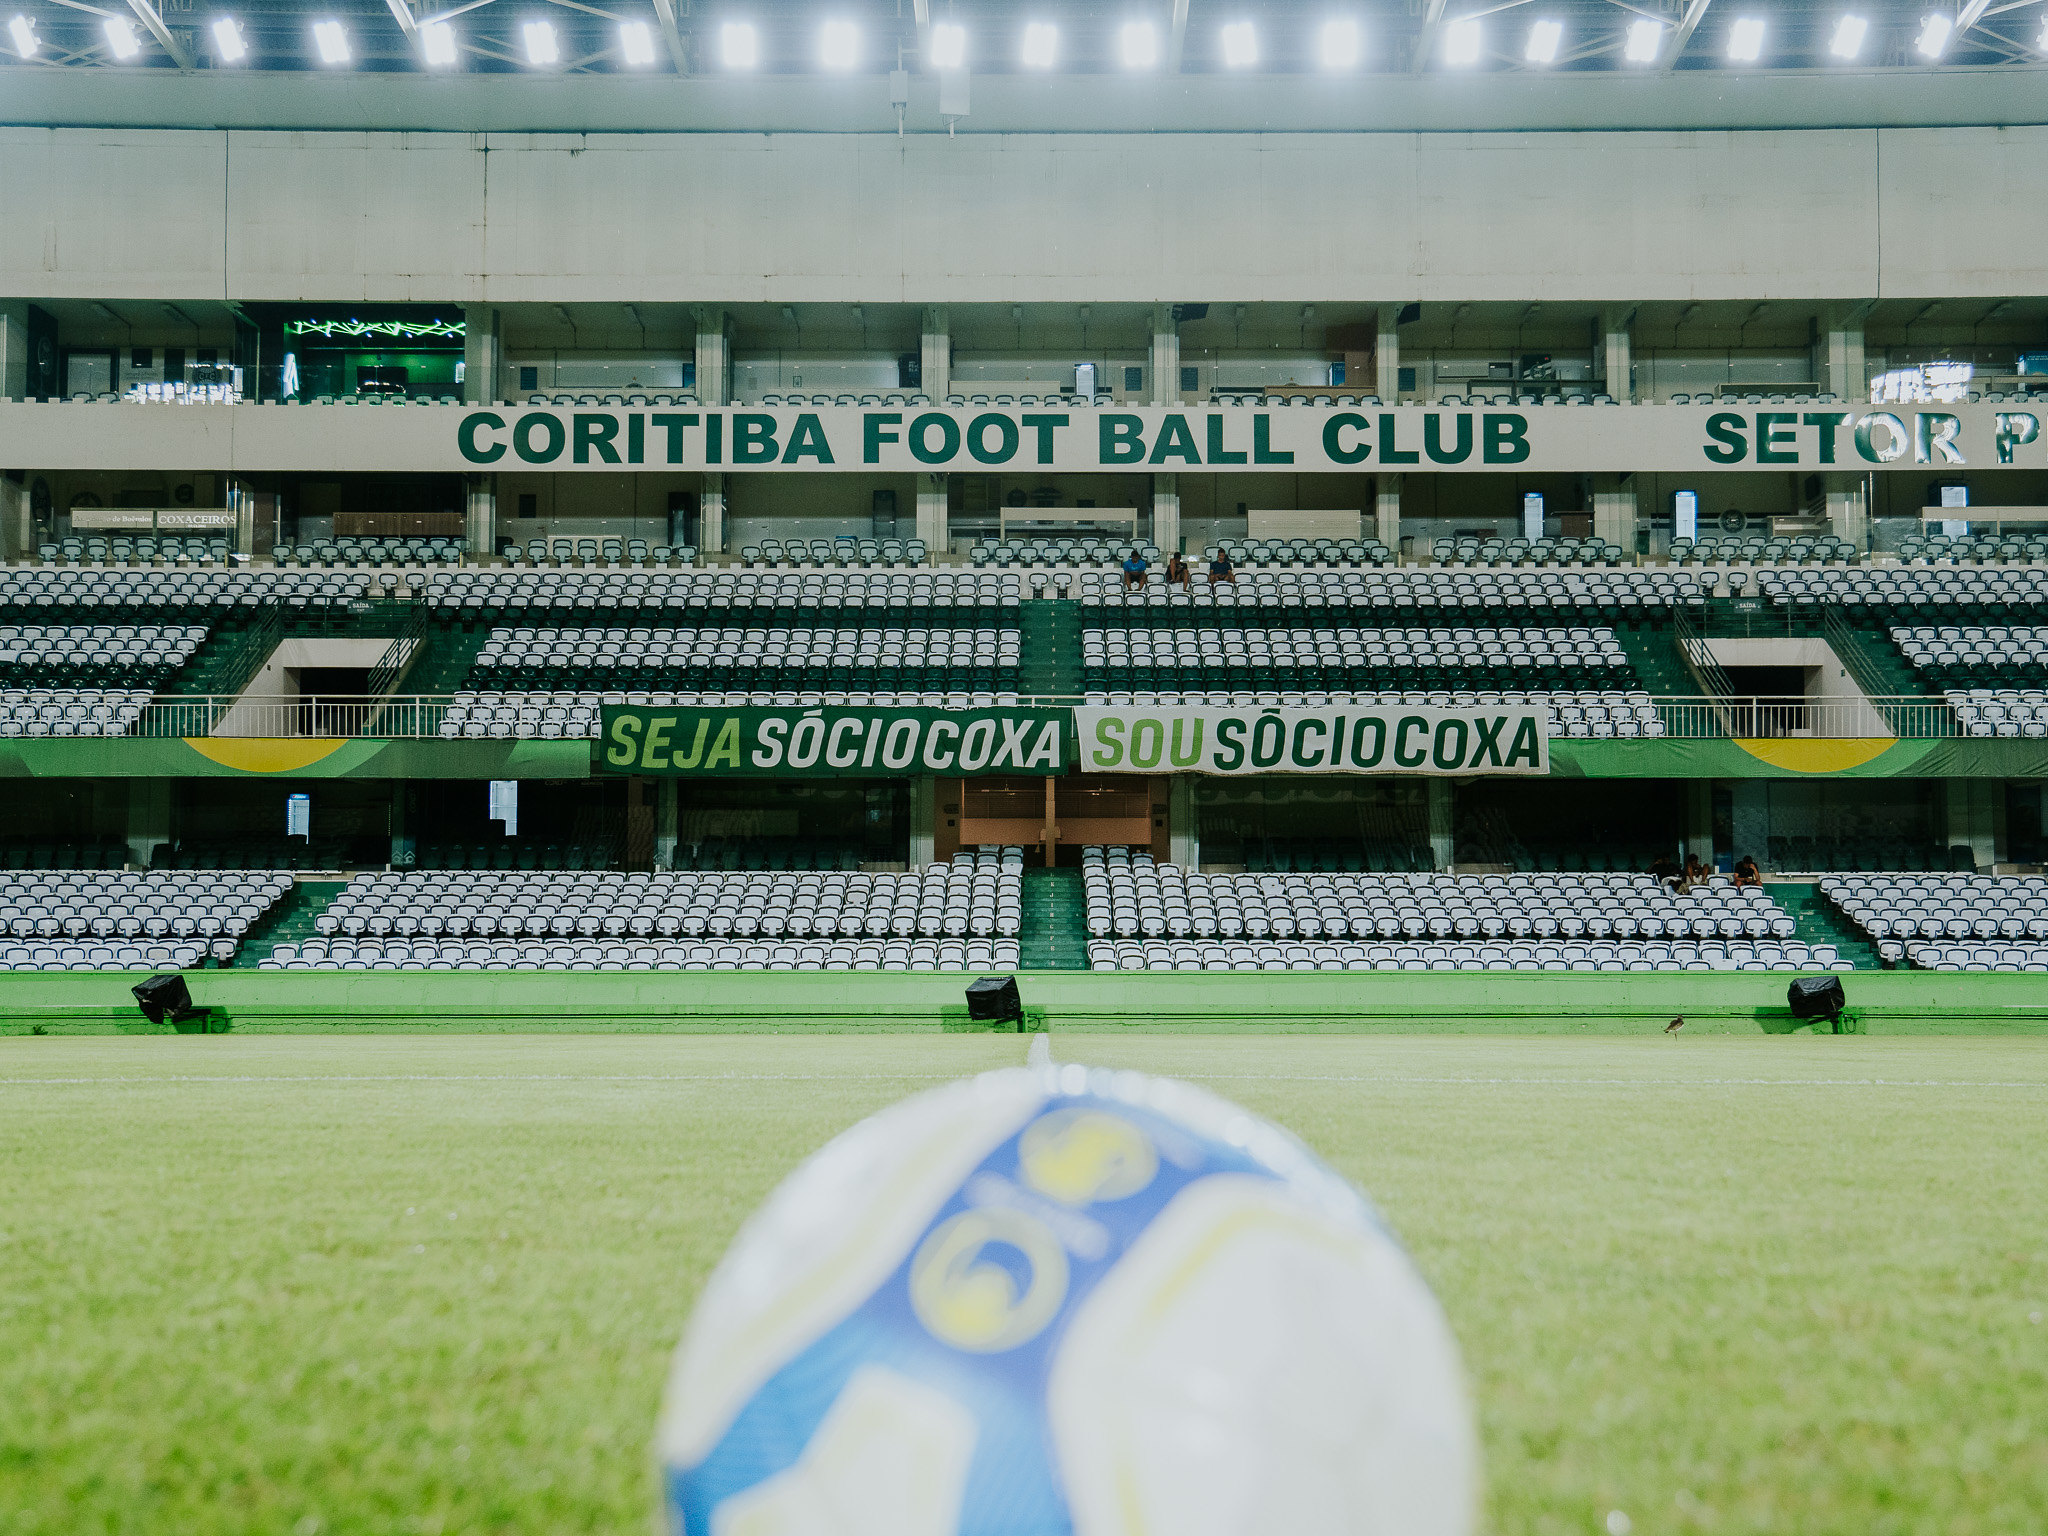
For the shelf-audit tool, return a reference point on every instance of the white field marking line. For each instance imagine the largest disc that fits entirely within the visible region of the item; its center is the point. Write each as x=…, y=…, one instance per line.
x=144, y=1079
x=1617, y=1082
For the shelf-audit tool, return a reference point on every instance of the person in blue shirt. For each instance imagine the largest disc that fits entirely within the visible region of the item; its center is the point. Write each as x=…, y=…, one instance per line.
x=1220, y=569
x=1135, y=567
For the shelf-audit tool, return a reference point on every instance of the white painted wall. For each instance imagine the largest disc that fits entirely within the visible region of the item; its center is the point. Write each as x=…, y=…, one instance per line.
x=714, y=217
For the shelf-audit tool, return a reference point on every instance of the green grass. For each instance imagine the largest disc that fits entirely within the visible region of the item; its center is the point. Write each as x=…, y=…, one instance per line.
x=430, y=1283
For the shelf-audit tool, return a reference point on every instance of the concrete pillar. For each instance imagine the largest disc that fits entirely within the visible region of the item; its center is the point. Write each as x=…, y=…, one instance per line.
x=13, y=349
x=243, y=505
x=481, y=523
x=1183, y=822
x=1387, y=354
x=1699, y=820
x=1975, y=808
x=149, y=818
x=932, y=522
x=1848, y=510
x=665, y=823
x=714, y=356
x=1386, y=512
x=1166, y=513
x=935, y=355
x=1442, y=801
x=1749, y=820
x=924, y=821
x=1165, y=358
x=404, y=849
x=17, y=539
x=483, y=360
x=711, y=515
x=1841, y=366
x=1614, y=512
x=1615, y=339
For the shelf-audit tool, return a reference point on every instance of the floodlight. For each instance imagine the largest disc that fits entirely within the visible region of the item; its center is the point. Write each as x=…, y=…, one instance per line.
x=838, y=45
x=1645, y=41
x=1137, y=45
x=1544, y=37
x=1934, y=35
x=1339, y=44
x=228, y=46
x=1462, y=41
x=636, y=42
x=1746, y=39
x=437, y=44
x=1848, y=38
x=121, y=37
x=1240, y=45
x=739, y=45
x=23, y=31
x=949, y=46
x=1041, y=44
x=541, y=46
x=331, y=38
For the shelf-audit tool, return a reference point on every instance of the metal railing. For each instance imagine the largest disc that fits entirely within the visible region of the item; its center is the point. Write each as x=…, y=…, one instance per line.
x=442, y=717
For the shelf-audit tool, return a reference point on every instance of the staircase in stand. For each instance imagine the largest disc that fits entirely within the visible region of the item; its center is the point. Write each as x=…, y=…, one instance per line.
x=1053, y=935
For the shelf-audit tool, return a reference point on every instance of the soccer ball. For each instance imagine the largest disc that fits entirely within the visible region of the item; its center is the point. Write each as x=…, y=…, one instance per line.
x=1067, y=1300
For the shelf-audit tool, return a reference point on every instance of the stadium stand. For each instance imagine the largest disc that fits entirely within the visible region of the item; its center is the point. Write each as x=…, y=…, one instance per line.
x=1948, y=922
x=55, y=920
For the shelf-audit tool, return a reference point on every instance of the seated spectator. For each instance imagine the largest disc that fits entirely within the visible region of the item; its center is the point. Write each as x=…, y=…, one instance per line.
x=1746, y=872
x=1176, y=570
x=1696, y=873
x=1665, y=871
x=1135, y=567
x=1220, y=569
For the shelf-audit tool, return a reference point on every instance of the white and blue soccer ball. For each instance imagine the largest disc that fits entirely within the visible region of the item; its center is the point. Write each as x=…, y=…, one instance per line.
x=1042, y=1302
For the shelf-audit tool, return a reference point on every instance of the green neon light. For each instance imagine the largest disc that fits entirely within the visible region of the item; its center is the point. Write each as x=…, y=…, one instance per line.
x=399, y=330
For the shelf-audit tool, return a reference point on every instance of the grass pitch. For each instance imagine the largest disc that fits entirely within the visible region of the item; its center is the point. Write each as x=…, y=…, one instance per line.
x=430, y=1284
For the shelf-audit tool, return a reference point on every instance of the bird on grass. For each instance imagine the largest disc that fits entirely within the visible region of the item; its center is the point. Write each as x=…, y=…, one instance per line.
x=1675, y=1025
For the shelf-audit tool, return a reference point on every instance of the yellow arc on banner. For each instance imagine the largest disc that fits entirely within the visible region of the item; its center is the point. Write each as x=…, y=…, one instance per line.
x=1815, y=754
x=264, y=754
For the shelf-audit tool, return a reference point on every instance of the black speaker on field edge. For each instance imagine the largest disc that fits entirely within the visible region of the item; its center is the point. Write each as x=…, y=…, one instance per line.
x=994, y=1000
x=1817, y=997
x=165, y=997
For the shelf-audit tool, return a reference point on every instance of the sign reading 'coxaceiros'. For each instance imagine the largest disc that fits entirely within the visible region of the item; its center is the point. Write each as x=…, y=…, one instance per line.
x=851, y=742
x=1335, y=739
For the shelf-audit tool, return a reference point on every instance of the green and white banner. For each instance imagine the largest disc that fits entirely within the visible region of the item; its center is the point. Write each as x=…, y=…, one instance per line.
x=832, y=742
x=1336, y=739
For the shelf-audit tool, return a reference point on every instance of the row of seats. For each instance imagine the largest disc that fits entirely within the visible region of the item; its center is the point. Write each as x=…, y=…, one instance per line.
x=451, y=955
x=566, y=553
x=115, y=597
x=1990, y=548
x=1409, y=596
x=976, y=893
x=478, y=714
x=754, y=658
x=1964, y=656
x=1588, y=713
x=96, y=655
x=843, y=551
x=351, y=550
x=140, y=548
x=2000, y=711
x=1844, y=853
x=636, y=397
x=2029, y=958
x=507, y=853
x=1503, y=551
x=72, y=711
x=1063, y=553
x=1955, y=906
x=102, y=904
x=1762, y=549
x=1253, y=553
x=136, y=955
x=1129, y=896
x=1208, y=657
x=729, y=596
x=62, y=853
x=1985, y=593
x=1753, y=398
x=1622, y=957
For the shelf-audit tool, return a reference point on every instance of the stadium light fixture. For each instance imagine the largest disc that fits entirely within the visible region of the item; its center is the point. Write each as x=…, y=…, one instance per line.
x=1041, y=45
x=1645, y=41
x=1463, y=39
x=1240, y=45
x=1848, y=39
x=228, y=45
x=23, y=31
x=949, y=46
x=636, y=42
x=437, y=44
x=121, y=37
x=1746, y=39
x=1339, y=44
x=739, y=45
x=331, y=39
x=838, y=45
x=1544, y=37
x=1137, y=45
x=542, y=46
x=1935, y=30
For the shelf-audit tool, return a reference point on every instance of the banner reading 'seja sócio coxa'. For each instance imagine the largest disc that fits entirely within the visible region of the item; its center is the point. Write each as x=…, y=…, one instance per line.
x=1336, y=738
x=851, y=741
